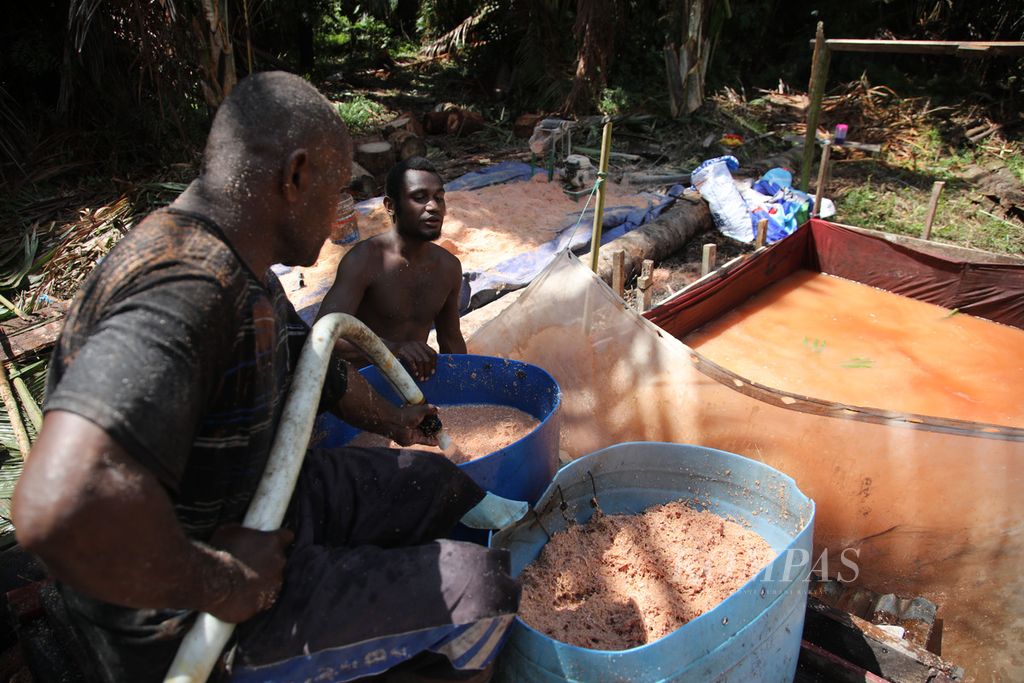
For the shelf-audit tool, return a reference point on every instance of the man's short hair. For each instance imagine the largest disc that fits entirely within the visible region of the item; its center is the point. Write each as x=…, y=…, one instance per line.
x=268, y=115
x=395, y=181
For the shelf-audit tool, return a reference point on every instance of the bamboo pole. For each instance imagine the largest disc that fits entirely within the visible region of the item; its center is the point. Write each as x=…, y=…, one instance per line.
x=35, y=415
x=602, y=173
x=707, y=263
x=20, y=435
x=816, y=91
x=933, y=205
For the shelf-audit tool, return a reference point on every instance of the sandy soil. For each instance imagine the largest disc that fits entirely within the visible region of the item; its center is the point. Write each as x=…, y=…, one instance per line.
x=475, y=430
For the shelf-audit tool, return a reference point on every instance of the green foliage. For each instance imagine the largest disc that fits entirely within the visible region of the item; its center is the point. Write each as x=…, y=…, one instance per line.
x=614, y=101
x=360, y=113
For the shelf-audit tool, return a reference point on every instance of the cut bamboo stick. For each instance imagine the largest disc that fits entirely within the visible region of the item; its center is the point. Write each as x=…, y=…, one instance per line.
x=14, y=414
x=35, y=415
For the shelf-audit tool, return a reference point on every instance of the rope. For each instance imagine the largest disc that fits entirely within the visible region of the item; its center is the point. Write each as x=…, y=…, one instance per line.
x=597, y=184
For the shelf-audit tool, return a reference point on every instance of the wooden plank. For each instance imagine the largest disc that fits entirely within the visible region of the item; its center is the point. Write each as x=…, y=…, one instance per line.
x=838, y=669
x=872, y=648
x=933, y=204
x=644, y=285
x=707, y=263
x=927, y=47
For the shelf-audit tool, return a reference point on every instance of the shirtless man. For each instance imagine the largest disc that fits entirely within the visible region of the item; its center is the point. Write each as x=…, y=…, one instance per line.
x=400, y=283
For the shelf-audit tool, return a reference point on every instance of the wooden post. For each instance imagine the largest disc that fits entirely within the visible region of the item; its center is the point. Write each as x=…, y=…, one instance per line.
x=762, y=233
x=643, y=285
x=707, y=263
x=619, y=272
x=815, y=92
x=602, y=173
x=933, y=204
x=819, y=190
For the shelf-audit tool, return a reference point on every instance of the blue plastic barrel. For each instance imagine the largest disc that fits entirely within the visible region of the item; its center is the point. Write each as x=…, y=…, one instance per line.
x=754, y=635
x=521, y=470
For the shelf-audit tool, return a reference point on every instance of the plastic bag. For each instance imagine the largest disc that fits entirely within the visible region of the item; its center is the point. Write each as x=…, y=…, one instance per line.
x=729, y=211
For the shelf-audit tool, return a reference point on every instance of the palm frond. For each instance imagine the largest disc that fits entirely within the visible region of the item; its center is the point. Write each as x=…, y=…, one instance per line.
x=460, y=36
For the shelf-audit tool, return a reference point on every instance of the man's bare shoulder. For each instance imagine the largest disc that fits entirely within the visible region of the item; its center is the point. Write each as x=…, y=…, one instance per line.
x=445, y=259
x=369, y=250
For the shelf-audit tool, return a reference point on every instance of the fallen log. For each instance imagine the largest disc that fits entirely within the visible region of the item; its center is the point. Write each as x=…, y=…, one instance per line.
x=406, y=121
x=658, y=239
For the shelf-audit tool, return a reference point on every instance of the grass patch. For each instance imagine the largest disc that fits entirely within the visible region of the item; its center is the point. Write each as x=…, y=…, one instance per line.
x=894, y=206
x=360, y=113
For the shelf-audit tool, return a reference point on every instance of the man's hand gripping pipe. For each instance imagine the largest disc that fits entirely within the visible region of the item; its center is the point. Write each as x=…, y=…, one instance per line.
x=204, y=642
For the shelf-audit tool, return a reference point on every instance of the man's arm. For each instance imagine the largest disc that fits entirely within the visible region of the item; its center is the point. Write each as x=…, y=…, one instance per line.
x=104, y=525
x=345, y=295
x=447, y=323
x=362, y=407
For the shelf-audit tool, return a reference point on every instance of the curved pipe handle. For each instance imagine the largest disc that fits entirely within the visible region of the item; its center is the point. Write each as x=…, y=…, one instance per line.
x=204, y=642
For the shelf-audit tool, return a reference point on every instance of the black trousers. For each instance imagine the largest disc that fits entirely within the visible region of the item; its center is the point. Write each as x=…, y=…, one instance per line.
x=370, y=562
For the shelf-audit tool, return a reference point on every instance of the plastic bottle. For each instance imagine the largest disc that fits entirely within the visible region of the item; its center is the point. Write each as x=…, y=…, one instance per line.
x=840, y=134
x=346, y=224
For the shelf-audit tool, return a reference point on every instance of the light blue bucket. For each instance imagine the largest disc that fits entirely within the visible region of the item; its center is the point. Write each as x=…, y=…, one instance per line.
x=754, y=635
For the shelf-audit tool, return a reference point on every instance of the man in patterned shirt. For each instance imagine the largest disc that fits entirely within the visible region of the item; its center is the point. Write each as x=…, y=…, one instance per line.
x=164, y=393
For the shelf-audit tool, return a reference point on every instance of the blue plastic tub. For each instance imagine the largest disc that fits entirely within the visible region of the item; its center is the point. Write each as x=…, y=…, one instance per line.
x=521, y=470
x=754, y=635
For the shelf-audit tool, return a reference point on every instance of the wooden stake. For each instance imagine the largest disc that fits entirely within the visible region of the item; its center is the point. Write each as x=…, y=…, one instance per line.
x=619, y=272
x=819, y=190
x=602, y=173
x=707, y=263
x=20, y=435
x=816, y=91
x=762, y=233
x=643, y=285
x=933, y=205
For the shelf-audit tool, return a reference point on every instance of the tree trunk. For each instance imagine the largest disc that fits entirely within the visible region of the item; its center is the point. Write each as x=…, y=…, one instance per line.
x=686, y=68
x=218, y=64
x=656, y=240
x=376, y=157
x=594, y=31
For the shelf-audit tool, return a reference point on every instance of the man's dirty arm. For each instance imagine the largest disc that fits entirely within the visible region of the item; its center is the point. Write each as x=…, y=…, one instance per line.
x=104, y=525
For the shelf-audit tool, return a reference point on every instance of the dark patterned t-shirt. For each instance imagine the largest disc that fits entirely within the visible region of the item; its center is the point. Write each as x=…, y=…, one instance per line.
x=184, y=357
x=179, y=353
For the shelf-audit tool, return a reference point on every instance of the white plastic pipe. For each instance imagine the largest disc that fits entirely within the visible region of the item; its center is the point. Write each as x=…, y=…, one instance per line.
x=204, y=642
